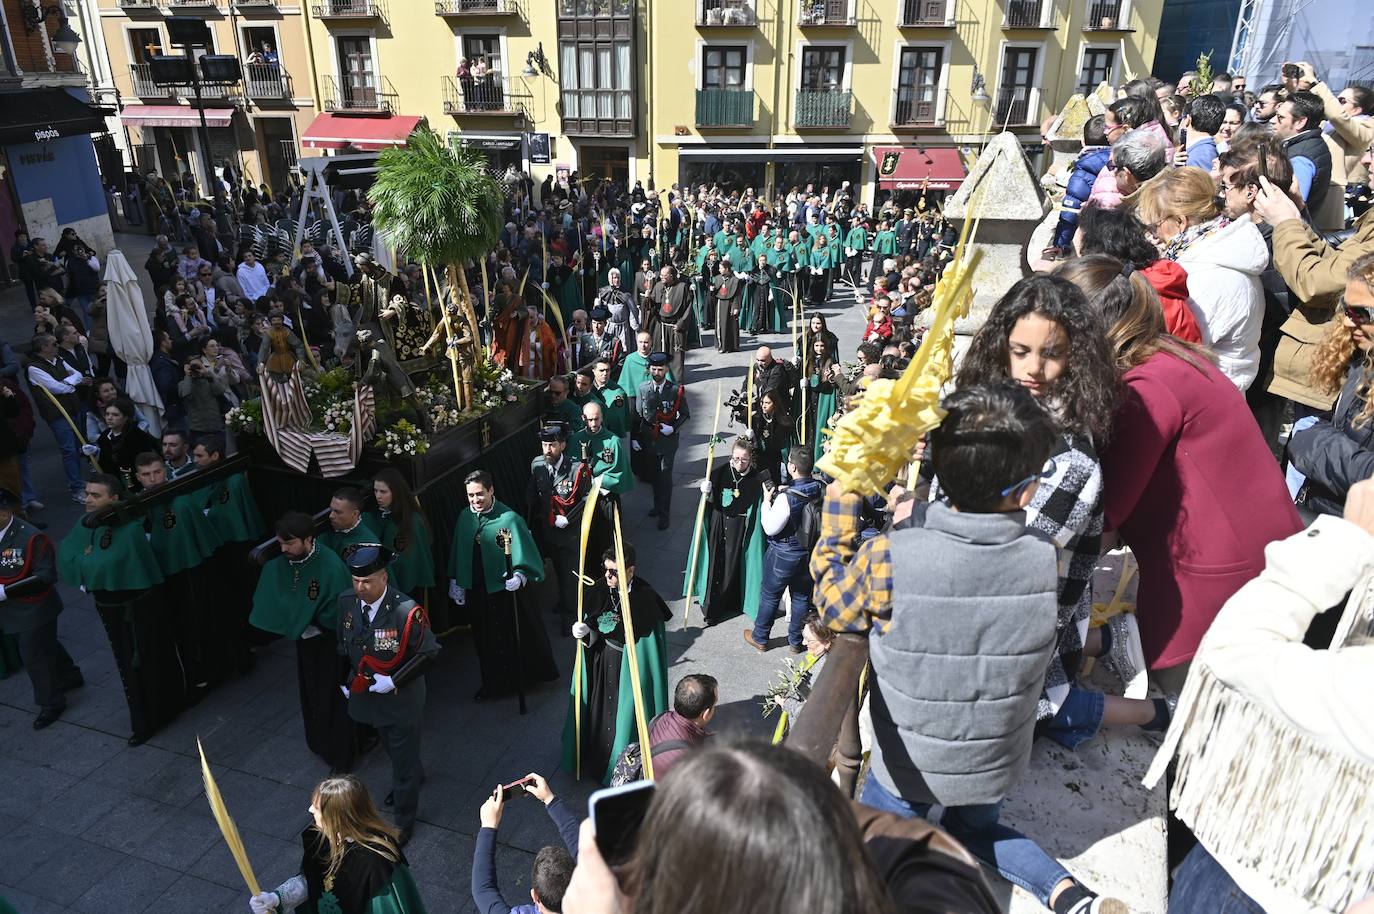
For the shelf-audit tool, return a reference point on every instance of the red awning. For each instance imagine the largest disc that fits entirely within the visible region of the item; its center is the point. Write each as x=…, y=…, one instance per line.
x=368, y=134
x=174, y=116
x=917, y=167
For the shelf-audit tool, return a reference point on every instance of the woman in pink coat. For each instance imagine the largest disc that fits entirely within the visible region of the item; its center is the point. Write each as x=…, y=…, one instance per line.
x=1187, y=478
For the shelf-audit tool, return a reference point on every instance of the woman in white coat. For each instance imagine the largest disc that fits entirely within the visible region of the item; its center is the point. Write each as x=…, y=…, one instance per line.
x=1224, y=260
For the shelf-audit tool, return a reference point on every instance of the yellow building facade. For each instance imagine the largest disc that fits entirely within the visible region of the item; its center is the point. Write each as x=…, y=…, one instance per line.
x=891, y=95
x=254, y=125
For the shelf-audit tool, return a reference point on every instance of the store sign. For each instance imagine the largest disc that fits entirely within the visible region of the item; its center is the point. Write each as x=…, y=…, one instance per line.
x=490, y=142
x=44, y=134
x=538, y=145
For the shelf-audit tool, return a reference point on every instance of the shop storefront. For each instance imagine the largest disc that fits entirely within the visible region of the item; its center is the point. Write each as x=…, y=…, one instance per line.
x=502, y=151
x=905, y=174
x=771, y=171
x=51, y=175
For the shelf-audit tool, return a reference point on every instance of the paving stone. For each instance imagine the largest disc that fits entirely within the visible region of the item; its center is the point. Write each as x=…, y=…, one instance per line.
x=191, y=894
x=26, y=903
x=37, y=784
x=130, y=886
x=77, y=808
x=65, y=876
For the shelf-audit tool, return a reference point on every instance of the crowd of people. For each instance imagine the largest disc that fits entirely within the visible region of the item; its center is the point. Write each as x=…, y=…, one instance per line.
x=1187, y=374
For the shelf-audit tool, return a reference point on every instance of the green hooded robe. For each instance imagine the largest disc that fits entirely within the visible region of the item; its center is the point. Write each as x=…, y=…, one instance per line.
x=413, y=569
x=751, y=554
x=607, y=457
x=232, y=510
x=294, y=595
x=525, y=555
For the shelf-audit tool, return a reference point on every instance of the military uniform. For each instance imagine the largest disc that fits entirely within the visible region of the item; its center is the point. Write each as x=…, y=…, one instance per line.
x=30, y=613
x=659, y=407
x=383, y=639
x=553, y=492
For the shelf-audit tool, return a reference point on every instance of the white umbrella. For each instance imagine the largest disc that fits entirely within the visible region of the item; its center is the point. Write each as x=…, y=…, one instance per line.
x=126, y=318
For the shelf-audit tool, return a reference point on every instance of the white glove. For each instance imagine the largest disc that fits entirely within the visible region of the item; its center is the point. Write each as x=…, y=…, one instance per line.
x=90, y=450
x=635, y=445
x=344, y=689
x=456, y=594
x=665, y=429
x=264, y=903
x=581, y=630
x=3, y=597
x=849, y=252
x=515, y=581
x=381, y=684
x=560, y=521
x=706, y=487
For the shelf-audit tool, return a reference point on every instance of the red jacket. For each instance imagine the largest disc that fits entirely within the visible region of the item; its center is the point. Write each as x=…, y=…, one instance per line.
x=1196, y=494
x=668, y=727
x=1171, y=284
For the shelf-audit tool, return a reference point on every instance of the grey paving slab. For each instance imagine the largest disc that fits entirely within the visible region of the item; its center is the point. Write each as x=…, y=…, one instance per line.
x=79, y=807
x=27, y=903
x=192, y=894
x=31, y=786
x=66, y=875
x=129, y=887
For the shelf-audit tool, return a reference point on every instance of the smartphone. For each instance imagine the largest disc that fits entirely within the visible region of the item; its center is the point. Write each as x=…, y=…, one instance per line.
x=516, y=788
x=617, y=813
x=1291, y=71
x=1262, y=160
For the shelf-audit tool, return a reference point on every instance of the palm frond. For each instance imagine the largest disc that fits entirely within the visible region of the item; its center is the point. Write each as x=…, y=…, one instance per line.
x=436, y=203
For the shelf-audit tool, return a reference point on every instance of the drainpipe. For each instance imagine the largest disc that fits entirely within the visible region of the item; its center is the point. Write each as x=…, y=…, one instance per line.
x=310, y=55
x=648, y=107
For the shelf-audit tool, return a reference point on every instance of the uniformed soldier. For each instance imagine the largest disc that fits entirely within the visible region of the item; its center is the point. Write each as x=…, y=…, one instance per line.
x=556, y=493
x=662, y=413
x=388, y=642
x=29, y=606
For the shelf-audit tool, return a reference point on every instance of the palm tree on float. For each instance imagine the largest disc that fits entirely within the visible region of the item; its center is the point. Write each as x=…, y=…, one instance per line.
x=440, y=206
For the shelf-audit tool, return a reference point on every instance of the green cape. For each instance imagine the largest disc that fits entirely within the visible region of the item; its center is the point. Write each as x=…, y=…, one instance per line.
x=751, y=581
x=525, y=555
x=613, y=417
x=778, y=312
x=232, y=511
x=568, y=412
x=740, y=260
x=885, y=242
x=651, y=652
x=400, y=895
x=182, y=536
x=825, y=408
x=338, y=542
x=121, y=560
x=414, y=565
x=617, y=476
x=635, y=372
x=857, y=238
x=291, y=596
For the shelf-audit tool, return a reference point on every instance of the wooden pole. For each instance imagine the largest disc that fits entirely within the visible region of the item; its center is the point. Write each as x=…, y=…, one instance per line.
x=579, y=663
x=631, y=651
x=701, y=515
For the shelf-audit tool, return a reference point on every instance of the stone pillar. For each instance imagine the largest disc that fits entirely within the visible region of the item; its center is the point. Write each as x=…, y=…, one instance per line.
x=1011, y=205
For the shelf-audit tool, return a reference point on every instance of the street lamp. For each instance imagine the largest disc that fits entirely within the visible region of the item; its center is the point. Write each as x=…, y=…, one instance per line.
x=536, y=63
x=980, y=90
x=64, y=40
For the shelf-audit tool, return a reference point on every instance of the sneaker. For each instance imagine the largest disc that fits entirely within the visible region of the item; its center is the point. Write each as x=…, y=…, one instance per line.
x=1127, y=655
x=36, y=505
x=1099, y=904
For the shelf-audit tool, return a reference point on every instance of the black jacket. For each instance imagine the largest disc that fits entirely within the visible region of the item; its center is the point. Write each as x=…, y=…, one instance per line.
x=1337, y=454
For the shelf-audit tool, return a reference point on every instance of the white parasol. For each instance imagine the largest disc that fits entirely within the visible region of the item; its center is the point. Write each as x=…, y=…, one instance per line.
x=126, y=318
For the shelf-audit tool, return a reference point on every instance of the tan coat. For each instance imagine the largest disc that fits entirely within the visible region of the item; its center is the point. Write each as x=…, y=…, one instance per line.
x=1315, y=274
x=1354, y=136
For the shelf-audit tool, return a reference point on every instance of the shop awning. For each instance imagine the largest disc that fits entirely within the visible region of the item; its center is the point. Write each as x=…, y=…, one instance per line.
x=38, y=115
x=370, y=134
x=917, y=167
x=835, y=154
x=174, y=116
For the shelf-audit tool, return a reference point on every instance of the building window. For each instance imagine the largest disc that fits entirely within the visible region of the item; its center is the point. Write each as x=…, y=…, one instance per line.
x=723, y=67
x=918, y=85
x=144, y=44
x=357, y=81
x=595, y=79
x=822, y=69
x=1013, y=94
x=1097, y=68
x=476, y=47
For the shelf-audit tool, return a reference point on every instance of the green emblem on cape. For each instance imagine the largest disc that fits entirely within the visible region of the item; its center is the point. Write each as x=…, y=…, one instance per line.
x=107, y=538
x=328, y=904
x=169, y=519
x=313, y=591
x=224, y=495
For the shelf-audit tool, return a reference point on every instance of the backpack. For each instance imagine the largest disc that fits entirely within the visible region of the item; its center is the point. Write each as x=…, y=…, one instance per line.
x=629, y=765
x=809, y=525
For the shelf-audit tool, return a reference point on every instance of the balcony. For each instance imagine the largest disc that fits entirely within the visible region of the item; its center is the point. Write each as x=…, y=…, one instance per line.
x=375, y=95
x=255, y=6
x=1013, y=107
x=144, y=87
x=824, y=13
x=715, y=13
x=916, y=107
x=266, y=81
x=193, y=4
x=348, y=9
x=725, y=108
x=925, y=14
x=485, y=97
x=140, y=6
x=1024, y=14
x=479, y=7
x=822, y=108
x=1107, y=16
x=594, y=9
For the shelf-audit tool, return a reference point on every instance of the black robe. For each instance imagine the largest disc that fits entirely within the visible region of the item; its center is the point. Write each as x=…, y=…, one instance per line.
x=772, y=436
x=726, y=291
x=499, y=622
x=726, y=537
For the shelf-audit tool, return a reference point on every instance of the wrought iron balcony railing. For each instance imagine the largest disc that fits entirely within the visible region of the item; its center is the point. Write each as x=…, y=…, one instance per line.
x=822, y=108
x=372, y=94
x=485, y=95
x=725, y=108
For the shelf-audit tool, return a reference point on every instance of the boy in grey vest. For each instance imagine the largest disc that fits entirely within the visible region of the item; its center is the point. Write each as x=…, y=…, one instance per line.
x=962, y=606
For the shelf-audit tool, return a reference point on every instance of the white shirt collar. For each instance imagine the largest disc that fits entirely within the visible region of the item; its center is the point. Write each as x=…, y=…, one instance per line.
x=6, y=528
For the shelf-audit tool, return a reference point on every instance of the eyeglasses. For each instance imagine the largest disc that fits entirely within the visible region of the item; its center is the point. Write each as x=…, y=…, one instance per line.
x=1342, y=99
x=1361, y=316
x=1017, y=488
x=612, y=572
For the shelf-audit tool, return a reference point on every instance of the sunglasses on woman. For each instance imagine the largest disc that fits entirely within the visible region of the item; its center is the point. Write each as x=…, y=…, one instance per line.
x=1360, y=316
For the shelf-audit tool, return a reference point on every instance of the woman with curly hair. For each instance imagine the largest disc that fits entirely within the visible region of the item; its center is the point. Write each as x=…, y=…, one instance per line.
x=1187, y=478
x=352, y=862
x=1335, y=454
x=1044, y=336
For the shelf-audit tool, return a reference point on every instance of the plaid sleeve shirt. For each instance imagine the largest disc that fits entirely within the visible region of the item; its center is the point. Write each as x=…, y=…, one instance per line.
x=853, y=581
